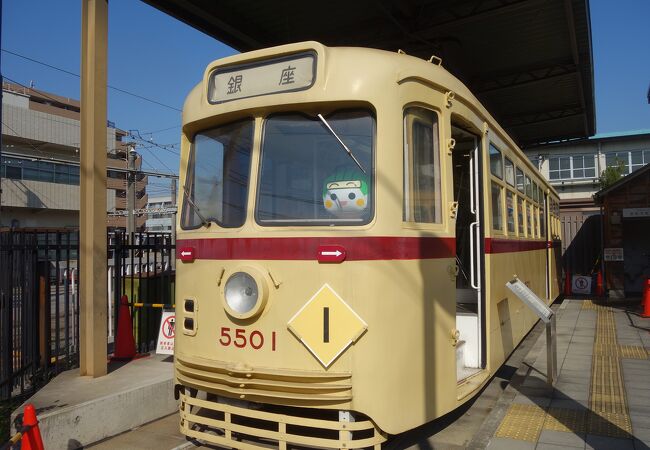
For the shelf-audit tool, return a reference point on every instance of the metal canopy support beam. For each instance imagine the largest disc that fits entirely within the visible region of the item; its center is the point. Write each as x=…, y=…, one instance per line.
x=93, y=263
x=522, y=77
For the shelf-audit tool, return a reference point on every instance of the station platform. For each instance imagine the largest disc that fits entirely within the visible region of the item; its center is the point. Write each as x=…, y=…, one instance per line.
x=602, y=397
x=600, y=401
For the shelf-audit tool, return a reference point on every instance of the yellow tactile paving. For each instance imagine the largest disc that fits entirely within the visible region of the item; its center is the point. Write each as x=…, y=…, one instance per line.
x=633, y=352
x=567, y=420
x=607, y=414
x=523, y=422
x=610, y=424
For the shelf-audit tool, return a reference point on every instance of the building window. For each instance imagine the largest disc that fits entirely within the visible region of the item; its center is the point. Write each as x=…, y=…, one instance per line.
x=631, y=160
x=575, y=166
x=47, y=172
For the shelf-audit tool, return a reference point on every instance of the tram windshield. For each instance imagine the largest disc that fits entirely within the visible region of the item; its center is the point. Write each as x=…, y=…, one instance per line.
x=308, y=178
x=216, y=188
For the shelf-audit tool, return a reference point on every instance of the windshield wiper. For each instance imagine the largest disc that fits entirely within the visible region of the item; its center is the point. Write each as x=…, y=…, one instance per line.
x=205, y=222
x=341, y=142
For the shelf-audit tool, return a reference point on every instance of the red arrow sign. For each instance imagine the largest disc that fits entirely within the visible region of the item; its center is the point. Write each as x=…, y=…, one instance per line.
x=187, y=254
x=331, y=254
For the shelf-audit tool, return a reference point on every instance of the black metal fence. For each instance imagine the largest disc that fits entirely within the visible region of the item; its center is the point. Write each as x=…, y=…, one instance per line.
x=142, y=267
x=39, y=308
x=39, y=299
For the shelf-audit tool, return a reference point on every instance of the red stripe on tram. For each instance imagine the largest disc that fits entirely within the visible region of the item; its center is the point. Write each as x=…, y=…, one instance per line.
x=357, y=248
x=493, y=245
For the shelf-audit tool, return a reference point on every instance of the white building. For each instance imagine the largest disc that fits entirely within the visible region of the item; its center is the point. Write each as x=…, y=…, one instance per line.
x=160, y=222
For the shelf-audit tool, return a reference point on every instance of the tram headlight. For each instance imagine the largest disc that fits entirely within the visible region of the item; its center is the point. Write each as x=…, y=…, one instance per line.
x=245, y=293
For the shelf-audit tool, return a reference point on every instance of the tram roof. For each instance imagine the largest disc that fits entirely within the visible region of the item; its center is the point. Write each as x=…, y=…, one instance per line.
x=528, y=61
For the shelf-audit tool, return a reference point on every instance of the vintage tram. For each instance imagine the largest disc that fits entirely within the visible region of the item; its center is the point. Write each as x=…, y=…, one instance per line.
x=349, y=220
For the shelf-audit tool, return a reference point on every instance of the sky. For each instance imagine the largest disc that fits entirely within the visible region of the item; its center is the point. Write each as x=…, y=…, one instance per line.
x=162, y=59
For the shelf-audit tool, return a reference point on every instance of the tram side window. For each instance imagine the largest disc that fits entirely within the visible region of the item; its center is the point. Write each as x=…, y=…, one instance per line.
x=510, y=210
x=496, y=163
x=520, y=180
x=306, y=175
x=529, y=221
x=510, y=171
x=520, y=215
x=216, y=186
x=542, y=216
x=497, y=215
x=422, y=200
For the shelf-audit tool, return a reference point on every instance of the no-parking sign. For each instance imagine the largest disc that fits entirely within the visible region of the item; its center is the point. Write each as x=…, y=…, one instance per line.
x=581, y=284
x=165, y=345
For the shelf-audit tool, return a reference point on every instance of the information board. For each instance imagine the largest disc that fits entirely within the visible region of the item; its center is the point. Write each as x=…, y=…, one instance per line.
x=613, y=254
x=530, y=299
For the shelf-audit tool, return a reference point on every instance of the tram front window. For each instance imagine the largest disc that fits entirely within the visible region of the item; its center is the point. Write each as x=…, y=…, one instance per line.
x=216, y=188
x=308, y=178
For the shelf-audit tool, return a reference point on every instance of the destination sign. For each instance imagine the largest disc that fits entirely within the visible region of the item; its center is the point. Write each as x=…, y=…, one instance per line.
x=286, y=74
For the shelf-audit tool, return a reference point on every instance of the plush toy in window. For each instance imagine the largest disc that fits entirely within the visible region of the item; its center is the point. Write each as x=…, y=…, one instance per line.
x=345, y=194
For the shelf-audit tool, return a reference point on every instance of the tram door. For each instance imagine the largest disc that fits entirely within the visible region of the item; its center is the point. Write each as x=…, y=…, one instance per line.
x=469, y=259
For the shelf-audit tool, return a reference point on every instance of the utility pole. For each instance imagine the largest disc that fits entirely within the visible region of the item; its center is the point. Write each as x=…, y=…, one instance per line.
x=174, y=214
x=130, y=193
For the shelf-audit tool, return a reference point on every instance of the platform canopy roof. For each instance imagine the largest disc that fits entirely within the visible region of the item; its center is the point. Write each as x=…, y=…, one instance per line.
x=529, y=61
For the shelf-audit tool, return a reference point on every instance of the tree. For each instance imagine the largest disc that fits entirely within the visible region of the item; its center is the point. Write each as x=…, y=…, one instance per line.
x=612, y=174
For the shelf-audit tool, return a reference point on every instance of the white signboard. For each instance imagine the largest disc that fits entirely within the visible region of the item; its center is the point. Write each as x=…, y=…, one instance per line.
x=165, y=344
x=581, y=284
x=268, y=77
x=629, y=213
x=613, y=254
x=530, y=299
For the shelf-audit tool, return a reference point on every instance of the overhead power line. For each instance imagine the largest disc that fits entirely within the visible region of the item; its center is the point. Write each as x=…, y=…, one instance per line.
x=123, y=91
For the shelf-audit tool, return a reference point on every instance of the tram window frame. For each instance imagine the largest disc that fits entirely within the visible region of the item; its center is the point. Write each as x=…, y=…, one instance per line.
x=542, y=217
x=511, y=225
x=496, y=161
x=529, y=219
x=369, y=167
x=497, y=213
x=519, y=180
x=189, y=216
x=529, y=187
x=412, y=211
x=535, y=192
x=509, y=171
x=521, y=225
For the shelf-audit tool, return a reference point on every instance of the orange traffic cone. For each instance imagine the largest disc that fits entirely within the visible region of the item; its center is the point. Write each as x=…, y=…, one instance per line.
x=124, y=342
x=32, y=438
x=600, y=292
x=646, y=299
x=567, y=283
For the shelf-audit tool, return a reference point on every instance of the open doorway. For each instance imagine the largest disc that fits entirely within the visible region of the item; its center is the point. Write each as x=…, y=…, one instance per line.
x=469, y=255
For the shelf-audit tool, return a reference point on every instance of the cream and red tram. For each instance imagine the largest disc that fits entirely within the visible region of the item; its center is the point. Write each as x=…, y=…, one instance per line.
x=349, y=220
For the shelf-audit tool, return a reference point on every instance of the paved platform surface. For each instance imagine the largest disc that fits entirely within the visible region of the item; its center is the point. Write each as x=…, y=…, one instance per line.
x=602, y=397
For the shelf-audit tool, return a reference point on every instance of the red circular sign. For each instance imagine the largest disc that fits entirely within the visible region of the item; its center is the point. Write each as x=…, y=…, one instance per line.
x=168, y=327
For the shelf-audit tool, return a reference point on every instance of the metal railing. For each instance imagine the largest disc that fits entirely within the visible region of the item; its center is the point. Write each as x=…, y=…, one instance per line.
x=39, y=308
x=39, y=299
x=142, y=267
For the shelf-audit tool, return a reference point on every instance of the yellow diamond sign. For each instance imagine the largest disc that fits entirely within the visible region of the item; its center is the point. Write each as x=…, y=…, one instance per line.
x=326, y=325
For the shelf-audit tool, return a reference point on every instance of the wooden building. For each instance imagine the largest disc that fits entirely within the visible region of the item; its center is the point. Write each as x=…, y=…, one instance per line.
x=626, y=233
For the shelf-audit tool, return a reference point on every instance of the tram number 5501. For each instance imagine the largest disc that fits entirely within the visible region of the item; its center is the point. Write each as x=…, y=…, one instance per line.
x=240, y=338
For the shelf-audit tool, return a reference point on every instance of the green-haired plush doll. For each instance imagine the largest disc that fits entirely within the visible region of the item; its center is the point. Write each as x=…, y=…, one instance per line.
x=345, y=194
